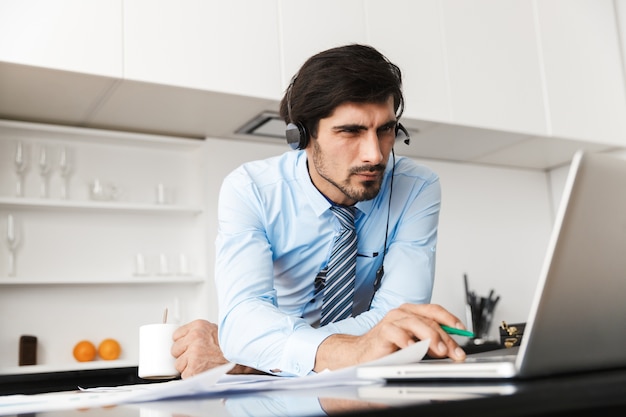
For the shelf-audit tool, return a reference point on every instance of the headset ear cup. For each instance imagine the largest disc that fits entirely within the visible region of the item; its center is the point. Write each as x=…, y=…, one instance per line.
x=297, y=137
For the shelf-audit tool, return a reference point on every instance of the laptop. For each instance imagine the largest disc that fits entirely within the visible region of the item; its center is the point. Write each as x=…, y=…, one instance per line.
x=577, y=319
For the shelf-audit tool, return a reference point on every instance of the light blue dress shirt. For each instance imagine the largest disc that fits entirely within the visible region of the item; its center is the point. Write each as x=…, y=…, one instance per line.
x=275, y=234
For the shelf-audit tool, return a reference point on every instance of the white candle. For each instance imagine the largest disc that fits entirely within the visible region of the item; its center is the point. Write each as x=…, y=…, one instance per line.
x=140, y=265
x=184, y=265
x=160, y=192
x=163, y=262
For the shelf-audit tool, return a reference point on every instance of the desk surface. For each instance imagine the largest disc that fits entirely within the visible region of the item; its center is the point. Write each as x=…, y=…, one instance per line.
x=599, y=393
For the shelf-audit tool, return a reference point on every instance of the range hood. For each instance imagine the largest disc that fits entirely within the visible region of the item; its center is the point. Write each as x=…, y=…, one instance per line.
x=265, y=125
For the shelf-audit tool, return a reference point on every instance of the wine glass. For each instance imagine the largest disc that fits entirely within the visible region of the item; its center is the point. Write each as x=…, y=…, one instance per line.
x=66, y=166
x=45, y=169
x=13, y=241
x=20, y=161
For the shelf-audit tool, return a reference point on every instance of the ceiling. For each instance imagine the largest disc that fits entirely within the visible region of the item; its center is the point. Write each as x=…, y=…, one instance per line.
x=67, y=98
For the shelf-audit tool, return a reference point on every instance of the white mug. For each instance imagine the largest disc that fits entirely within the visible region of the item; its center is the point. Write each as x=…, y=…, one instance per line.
x=155, y=357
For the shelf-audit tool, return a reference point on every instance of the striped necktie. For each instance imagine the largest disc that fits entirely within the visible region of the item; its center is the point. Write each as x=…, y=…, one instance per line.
x=341, y=270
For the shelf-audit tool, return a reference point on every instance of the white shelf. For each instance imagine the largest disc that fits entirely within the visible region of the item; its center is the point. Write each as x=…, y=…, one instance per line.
x=27, y=130
x=47, y=204
x=76, y=366
x=135, y=280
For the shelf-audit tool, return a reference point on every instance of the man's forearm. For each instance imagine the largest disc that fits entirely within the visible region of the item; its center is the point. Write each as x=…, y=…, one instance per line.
x=337, y=351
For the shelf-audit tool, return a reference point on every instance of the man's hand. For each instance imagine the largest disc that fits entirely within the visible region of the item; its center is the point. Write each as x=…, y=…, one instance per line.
x=196, y=348
x=398, y=329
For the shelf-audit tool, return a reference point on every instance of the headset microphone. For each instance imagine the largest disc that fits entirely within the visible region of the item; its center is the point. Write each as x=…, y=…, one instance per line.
x=402, y=134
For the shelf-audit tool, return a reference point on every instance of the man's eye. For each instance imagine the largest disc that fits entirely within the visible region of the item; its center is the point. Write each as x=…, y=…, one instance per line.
x=387, y=130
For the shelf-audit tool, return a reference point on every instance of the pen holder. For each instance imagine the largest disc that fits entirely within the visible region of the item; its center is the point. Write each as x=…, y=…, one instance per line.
x=511, y=334
x=480, y=311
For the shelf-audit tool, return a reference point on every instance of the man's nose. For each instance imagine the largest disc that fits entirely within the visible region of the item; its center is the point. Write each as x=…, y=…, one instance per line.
x=370, y=148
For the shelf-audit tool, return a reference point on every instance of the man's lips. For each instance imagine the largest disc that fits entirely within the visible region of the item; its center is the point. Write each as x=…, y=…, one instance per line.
x=368, y=175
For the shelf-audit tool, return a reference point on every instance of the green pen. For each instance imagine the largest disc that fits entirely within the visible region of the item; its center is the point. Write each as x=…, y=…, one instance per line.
x=459, y=332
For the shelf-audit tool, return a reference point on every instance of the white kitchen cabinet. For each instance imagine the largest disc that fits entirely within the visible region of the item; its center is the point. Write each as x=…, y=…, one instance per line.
x=72, y=35
x=410, y=34
x=585, y=89
x=94, y=255
x=620, y=12
x=536, y=73
x=493, y=65
x=222, y=46
x=309, y=27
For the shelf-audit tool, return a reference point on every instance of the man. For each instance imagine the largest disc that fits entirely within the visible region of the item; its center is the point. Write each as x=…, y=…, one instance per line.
x=278, y=227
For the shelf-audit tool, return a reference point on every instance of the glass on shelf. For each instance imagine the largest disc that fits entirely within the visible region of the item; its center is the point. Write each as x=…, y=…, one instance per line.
x=140, y=265
x=13, y=237
x=21, y=165
x=164, y=268
x=45, y=169
x=160, y=194
x=100, y=191
x=161, y=265
x=66, y=168
x=183, y=265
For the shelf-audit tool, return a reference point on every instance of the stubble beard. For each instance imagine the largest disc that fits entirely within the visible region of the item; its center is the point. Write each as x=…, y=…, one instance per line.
x=362, y=191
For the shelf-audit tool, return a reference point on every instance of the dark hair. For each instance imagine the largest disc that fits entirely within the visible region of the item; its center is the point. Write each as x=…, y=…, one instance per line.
x=351, y=73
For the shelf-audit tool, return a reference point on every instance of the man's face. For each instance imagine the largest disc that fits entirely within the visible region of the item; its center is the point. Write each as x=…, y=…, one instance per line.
x=349, y=156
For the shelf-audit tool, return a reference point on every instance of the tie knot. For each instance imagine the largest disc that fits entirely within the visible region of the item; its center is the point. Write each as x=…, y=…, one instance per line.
x=345, y=216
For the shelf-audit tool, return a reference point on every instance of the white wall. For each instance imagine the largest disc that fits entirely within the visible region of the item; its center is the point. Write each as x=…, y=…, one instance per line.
x=494, y=227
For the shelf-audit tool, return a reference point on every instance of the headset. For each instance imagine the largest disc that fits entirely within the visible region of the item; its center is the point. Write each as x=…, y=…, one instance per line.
x=298, y=137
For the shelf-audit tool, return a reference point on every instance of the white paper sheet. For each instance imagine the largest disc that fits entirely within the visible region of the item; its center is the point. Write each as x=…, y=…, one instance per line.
x=212, y=383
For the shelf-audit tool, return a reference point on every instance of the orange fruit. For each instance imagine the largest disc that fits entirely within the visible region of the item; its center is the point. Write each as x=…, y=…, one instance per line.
x=109, y=349
x=84, y=351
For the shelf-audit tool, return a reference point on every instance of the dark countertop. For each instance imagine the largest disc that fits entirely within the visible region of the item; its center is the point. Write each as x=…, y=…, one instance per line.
x=594, y=393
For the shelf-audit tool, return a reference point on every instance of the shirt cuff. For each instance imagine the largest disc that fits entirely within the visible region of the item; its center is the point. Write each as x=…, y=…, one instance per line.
x=300, y=351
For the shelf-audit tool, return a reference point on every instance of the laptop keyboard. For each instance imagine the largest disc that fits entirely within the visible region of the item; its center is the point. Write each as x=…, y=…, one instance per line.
x=495, y=358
